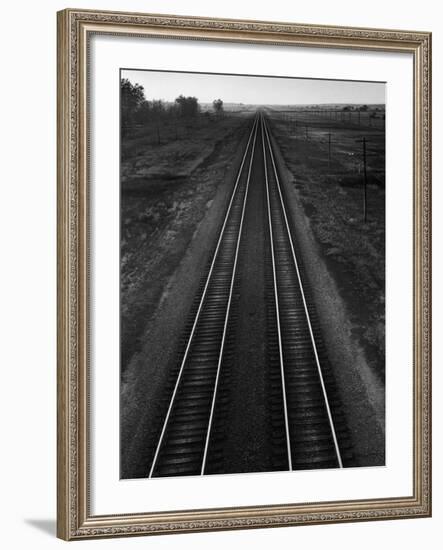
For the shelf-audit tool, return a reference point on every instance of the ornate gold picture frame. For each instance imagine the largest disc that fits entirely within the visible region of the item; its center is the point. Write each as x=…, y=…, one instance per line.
x=75, y=518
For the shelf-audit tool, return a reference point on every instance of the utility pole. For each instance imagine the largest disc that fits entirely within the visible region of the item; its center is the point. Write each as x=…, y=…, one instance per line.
x=158, y=133
x=365, y=181
x=329, y=150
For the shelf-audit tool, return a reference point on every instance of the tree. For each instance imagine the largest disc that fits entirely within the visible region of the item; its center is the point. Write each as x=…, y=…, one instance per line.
x=132, y=96
x=157, y=113
x=218, y=106
x=157, y=107
x=188, y=106
x=143, y=113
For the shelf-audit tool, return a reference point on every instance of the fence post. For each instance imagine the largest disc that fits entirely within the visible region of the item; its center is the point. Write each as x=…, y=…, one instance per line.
x=365, y=181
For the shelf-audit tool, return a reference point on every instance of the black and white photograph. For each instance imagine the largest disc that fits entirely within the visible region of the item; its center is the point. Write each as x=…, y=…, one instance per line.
x=252, y=274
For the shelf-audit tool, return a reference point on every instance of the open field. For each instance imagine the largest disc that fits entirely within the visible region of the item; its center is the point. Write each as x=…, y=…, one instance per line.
x=323, y=150
x=168, y=181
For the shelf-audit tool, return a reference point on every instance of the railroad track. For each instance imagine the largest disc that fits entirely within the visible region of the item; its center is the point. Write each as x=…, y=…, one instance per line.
x=184, y=440
x=308, y=428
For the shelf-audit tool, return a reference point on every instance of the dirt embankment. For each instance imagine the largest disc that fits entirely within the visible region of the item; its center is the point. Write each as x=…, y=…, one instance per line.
x=346, y=272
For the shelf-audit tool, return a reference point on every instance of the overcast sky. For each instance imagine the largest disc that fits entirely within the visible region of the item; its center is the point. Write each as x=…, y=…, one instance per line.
x=254, y=89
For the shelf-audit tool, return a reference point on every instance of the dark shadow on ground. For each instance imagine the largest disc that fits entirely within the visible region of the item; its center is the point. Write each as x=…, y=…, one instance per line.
x=48, y=526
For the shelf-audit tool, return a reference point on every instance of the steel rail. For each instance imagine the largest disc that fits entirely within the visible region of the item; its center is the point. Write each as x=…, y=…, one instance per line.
x=276, y=300
x=228, y=307
x=182, y=365
x=314, y=346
